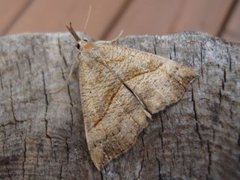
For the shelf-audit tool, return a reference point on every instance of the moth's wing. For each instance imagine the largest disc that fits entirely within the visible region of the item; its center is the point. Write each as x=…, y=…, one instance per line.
x=112, y=114
x=157, y=81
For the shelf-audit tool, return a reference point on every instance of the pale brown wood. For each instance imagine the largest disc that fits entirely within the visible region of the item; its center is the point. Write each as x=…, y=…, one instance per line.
x=206, y=16
x=109, y=17
x=153, y=17
x=10, y=12
x=51, y=16
x=162, y=17
x=42, y=134
x=232, y=29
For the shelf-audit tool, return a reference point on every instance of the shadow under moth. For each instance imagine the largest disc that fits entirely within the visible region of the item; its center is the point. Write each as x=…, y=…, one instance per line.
x=120, y=88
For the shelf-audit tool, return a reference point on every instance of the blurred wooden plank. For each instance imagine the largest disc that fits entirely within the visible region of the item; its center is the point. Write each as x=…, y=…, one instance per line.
x=204, y=15
x=50, y=16
x=160, y=16
x=153, y=17
x=232, y=30
x=10, y=11
x=109, y=17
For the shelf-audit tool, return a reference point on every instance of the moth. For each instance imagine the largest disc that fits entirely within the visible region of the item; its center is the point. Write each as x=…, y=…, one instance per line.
x=120, y=88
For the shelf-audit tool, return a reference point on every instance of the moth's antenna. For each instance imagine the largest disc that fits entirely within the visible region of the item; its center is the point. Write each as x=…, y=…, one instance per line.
x=118, y=36
x=88, y=17
x=73, y=32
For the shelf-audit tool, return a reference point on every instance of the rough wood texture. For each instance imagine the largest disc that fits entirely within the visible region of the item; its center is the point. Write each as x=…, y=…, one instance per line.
x=42, y=134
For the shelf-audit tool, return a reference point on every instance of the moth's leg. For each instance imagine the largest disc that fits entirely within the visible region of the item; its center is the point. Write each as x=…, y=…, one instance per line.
x=68, y=78
x=73, y=66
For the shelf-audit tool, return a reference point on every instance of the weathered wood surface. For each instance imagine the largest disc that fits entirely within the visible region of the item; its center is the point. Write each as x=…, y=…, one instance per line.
x=42, y=133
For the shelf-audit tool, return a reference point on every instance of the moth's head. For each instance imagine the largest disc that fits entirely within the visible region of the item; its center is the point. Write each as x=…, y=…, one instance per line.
x=84, y=45
x=81, y=44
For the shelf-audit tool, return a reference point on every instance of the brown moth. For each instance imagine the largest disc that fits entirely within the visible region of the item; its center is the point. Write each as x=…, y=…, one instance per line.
x=120, y=87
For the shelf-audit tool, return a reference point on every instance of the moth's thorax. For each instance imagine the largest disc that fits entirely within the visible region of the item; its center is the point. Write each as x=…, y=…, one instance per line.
x=84, y=45
x=92, y=50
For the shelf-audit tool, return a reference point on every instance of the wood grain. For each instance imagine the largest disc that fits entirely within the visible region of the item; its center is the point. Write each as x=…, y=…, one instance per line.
x=42, y=134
